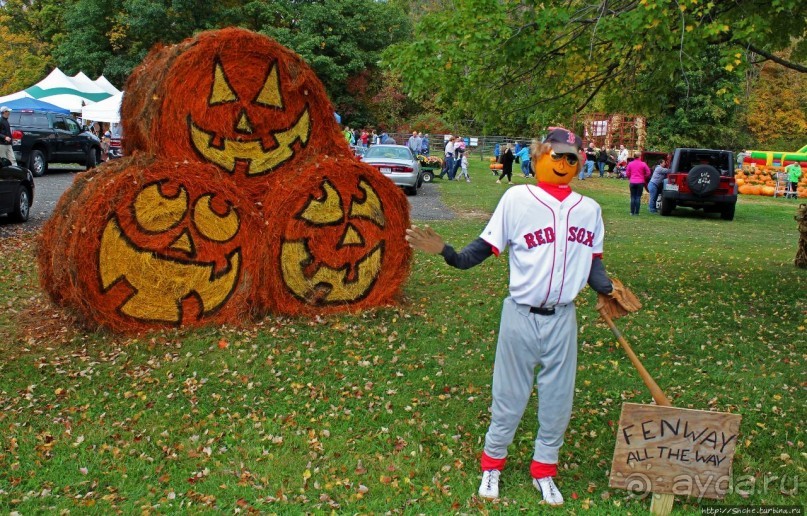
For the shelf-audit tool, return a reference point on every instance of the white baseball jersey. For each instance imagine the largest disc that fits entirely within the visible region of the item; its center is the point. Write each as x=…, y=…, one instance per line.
x=551, y=243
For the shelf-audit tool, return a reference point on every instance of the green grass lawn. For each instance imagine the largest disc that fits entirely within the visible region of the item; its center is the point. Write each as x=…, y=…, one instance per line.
x=387, y=410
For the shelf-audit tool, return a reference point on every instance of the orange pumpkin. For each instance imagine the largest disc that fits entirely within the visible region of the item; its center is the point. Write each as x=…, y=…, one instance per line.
x=740, y=181
x=768, y=191
x=168, y=244
x=233, y=98
x=336, y=240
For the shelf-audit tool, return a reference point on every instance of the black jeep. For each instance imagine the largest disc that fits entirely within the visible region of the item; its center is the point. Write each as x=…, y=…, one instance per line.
x=701, y=179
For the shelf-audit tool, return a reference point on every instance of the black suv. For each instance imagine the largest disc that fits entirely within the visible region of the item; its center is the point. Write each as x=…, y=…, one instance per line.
x=701, y=179
x=41, y=137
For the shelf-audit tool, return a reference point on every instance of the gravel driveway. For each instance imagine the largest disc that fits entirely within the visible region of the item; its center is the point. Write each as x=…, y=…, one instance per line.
x=424, y=206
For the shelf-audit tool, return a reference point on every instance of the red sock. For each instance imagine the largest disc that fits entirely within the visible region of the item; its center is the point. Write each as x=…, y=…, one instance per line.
x=542, y=470
x=489, y=463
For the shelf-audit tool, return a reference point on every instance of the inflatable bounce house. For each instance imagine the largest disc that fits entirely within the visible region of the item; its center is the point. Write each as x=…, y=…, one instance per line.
x=777, y=158
x=238, y=197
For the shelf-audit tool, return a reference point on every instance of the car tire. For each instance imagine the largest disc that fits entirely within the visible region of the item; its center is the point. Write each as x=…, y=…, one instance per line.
x=727, y=212
x=92, y=158
x=22, y=205
x=667, y=206
x=411, y=190
x=428, y=176
x=703, y=180
x=37, y=163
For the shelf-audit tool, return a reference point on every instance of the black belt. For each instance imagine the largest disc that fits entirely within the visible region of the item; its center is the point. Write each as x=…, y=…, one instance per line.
x=540, y=310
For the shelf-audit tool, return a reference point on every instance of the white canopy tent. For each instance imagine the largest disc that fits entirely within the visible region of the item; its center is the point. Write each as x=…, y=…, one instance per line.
x=67, y=92
x=107, y=110
x=107, y=86
x=71, y=93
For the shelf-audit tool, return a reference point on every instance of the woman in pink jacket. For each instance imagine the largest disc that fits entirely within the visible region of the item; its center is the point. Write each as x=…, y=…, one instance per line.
x=638, y=173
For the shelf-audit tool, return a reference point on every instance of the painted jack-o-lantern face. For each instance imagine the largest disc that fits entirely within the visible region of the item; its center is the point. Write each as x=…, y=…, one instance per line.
x=341, y=241
x=241, y=142
x=315, y=281
x=161, y=243
x=232, y=98
x=181, y=252
x=557, y=169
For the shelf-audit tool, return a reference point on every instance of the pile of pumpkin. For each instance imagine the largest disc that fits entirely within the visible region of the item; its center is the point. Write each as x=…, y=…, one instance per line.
x=494, y=165
x=762, y=181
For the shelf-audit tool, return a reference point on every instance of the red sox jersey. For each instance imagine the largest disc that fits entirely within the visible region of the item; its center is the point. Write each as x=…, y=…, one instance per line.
x=551, y=243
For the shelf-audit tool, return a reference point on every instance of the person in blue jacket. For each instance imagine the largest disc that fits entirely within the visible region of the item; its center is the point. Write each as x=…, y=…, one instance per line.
x=524, y=156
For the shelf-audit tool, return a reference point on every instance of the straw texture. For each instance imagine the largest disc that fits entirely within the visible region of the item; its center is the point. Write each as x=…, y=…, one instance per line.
x=335, y=240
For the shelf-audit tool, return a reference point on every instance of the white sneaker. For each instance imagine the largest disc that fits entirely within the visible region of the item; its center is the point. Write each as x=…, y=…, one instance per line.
x=489, y=488
x=548, y=490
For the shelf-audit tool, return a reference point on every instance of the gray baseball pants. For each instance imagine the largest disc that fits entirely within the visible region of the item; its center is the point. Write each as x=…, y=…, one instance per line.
x=527, y=341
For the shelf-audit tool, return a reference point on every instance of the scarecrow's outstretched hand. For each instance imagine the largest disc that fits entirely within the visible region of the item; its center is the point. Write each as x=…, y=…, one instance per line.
x=425, y=239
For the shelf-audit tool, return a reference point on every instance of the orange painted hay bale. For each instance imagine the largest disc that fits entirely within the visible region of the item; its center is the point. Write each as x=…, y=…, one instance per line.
x=336, y=240
x=53, y=276
x=168, y=244
x=234, y=98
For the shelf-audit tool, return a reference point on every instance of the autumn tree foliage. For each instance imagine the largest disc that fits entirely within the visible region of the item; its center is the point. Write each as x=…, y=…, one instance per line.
x=777, y=108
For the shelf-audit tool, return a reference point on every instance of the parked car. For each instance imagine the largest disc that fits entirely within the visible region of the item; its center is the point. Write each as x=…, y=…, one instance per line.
x=397, y=163
x=41, y=137
x=701, y=179
x=16, y=191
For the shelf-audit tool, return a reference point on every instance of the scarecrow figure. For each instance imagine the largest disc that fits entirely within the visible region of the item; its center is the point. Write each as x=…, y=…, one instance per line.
x=555, y=238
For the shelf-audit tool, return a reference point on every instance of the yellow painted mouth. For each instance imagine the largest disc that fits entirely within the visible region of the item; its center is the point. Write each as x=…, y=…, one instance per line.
x=327, y=285
x=160, y=284
x=259, y=161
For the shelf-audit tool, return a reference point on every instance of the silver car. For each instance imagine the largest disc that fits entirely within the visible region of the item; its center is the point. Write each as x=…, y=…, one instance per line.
x=397, y=163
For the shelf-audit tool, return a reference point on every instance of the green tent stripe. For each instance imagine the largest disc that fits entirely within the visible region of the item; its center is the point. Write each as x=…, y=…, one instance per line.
x=39, y=93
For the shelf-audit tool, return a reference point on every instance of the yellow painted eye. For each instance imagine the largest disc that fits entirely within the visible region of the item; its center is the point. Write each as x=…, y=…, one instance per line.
x=270, y=93
x=222, y=92
x=370, y=208
x=219, y=228
x=327, y=210
x=156, y=212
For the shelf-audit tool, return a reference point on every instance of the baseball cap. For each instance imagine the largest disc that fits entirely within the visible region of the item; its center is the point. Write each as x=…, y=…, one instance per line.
x=564, y=141
x=4, y=109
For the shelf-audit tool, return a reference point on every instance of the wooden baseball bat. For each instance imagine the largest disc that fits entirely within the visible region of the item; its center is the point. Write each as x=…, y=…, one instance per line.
x=648, y=380
x=662, y=503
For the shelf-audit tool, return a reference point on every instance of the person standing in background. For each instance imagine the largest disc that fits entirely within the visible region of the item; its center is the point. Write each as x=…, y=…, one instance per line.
x=424, y=145
x=448, y=164
x=654, y=186
x=6, y=149
x=414, y=143
x=637, y=173
x=523, y=156
x=602, y=159
x=507, y=164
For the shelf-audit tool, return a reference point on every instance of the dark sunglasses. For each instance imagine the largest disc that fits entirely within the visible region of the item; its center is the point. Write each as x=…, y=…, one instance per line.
x=571, y=159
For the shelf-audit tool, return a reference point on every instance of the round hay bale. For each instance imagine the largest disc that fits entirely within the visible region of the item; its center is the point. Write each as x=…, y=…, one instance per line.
x=163, y=245
x=233, y=98
x=52, y=241
x=336, y=240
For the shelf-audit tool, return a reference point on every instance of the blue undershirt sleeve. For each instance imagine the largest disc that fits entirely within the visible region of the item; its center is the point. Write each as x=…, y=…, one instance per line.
x=598, y=278
x=473, y=254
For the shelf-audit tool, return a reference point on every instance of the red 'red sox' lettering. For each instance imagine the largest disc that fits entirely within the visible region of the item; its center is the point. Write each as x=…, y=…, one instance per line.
x=581, y=236
x=540, y=237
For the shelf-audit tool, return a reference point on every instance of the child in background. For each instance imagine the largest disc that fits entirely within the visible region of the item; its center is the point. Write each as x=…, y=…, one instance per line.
x=464, y=167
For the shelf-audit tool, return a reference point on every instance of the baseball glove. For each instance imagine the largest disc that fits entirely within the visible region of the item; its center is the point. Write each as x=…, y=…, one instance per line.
x=621, y=301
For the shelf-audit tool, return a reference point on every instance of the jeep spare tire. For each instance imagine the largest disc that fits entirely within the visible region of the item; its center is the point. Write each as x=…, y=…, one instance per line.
x=703, y=180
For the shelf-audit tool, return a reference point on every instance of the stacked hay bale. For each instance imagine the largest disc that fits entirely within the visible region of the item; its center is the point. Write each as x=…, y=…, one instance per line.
x=233, y=145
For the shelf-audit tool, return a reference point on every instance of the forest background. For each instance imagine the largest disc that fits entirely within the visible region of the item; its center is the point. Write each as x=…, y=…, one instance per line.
x=708, y=73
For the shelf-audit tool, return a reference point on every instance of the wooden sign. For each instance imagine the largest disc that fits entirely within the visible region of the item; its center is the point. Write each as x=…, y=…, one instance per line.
x=676, y=451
